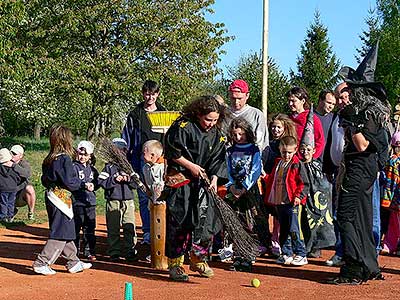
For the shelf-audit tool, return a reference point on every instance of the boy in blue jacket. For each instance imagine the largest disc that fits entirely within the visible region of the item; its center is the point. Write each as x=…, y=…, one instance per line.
x=120, y=208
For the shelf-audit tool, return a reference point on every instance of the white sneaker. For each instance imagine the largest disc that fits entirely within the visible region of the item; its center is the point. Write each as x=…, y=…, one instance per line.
x=44, y=270
x=335, y=261
x=299, y=260
x=284, y=260
x=79, y=267
x=226, y=254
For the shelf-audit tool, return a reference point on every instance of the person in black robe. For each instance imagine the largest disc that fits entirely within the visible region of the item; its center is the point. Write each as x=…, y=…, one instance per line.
x=363, y=121
x=193, y=145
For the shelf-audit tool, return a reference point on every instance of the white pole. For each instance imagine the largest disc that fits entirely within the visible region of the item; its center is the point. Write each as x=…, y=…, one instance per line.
x=265, y=59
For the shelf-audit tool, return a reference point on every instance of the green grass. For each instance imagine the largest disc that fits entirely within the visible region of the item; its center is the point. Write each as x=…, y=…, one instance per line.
x=35, y=152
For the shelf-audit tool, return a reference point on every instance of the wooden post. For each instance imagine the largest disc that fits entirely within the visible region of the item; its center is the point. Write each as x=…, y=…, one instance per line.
x=265, y=59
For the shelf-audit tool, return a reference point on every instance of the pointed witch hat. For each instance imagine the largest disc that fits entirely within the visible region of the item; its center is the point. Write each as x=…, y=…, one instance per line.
x=308, y=133
x=364, y=75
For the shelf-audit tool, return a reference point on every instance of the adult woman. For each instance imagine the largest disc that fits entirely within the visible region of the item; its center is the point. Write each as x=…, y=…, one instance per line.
x=298, y=101
x=193, y=145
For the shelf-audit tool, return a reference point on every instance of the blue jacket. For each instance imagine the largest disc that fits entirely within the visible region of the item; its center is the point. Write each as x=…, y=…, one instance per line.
x=114, y=190
x=87, y=174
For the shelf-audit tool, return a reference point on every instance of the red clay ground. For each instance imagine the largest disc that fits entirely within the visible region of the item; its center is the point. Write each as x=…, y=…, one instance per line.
x=19, y=246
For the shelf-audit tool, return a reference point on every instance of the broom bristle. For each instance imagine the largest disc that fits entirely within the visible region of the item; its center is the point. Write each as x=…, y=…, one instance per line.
x=162, y=118
x=110, y=153
x=244, y=244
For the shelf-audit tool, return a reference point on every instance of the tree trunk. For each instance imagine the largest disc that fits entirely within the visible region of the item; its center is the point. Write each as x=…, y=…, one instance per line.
x=36, y=131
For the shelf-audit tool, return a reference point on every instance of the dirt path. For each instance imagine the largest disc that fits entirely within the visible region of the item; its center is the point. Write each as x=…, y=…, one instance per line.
x=18, y=248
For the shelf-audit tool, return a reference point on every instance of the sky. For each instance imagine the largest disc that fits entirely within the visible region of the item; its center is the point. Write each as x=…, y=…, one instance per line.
x=288, y=24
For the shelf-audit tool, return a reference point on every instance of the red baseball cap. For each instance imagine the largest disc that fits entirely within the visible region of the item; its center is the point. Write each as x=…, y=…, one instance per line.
x=239, y=84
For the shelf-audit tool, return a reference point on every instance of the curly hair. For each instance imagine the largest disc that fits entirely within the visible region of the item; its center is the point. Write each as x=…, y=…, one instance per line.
x=202, y=106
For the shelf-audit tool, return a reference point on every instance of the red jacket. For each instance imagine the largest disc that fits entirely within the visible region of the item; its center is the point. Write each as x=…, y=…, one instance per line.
x=296, y=183
x=300, y=121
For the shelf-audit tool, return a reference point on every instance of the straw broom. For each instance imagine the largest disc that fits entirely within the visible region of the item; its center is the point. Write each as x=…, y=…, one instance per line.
x=243, y=243
x=110, y=153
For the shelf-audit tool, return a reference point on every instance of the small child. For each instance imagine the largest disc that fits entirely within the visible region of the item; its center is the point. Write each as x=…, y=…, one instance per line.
x=287, y=188
x=120, y=208
x=85, y=200
x=60, y=179
x=154, y=169
x=9, y=179
x=391, y=198
x=153, y=172
x=317, y=223
x=244, y=169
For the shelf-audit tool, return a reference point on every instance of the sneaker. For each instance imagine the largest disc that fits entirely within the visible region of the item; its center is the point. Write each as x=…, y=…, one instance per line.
x=241, y=265
x=262, y=250
x=91, y=258
x=299, y=260
x=344, y=281
x=202, y=268
x=314, y=253
x=31, y=216
x=115, y=258
x=44, y=270
x=276, y=249
x=335, y=261
x=226, y=254
x=79, y=267
x=177, y=273
x=284, y=260
x=148, y=258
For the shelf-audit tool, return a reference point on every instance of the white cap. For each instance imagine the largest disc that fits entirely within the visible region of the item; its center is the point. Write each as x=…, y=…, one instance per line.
x=120, y=143
x=17, y=149
x=5, y=155
x=88, y=146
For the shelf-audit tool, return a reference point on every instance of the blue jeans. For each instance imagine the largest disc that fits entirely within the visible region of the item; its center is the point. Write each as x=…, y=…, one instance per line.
x=376, y=215
x=7, y=203
x=289, y=237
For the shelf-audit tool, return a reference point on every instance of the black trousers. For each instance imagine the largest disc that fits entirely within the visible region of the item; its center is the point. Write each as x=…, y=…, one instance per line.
x=85, y=220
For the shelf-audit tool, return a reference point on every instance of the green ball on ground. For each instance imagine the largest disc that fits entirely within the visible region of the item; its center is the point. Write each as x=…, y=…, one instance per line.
x=255, y=282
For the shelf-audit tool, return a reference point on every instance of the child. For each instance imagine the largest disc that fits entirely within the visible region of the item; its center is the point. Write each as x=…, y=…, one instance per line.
x=153, y=172
x=391, y=198
x=280, y=126
x=287, y=189
x=59, y=178
x=120, y=208
x=244, y=169
x=85, y=200
x=9, y=179
x=317, y=223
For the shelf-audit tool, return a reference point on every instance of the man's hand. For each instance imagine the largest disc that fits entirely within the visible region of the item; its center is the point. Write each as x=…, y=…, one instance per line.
x=297, y=201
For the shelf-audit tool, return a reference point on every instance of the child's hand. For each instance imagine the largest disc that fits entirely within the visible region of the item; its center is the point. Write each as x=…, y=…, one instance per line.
x=297, y=201
x=89, y=186
x=196, y=170
x=119, y=178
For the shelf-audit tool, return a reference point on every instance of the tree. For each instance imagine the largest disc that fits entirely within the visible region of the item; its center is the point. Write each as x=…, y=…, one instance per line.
x=249, y=68
x=384, y=25
x=98, y=53
x=317, y=66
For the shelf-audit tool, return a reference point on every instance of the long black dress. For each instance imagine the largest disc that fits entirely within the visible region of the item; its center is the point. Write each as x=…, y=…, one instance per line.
x=355, y=204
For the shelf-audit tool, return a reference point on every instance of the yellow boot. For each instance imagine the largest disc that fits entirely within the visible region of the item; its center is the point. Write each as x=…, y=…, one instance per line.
x=176, y=270
x=200, y=266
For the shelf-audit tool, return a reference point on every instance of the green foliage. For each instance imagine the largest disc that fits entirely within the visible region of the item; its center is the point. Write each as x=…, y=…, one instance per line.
x=317, y=65
x=86, y=60
x=249, y=68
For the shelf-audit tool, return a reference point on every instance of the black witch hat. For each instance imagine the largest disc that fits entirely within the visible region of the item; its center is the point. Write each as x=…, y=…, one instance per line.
x=364, y=75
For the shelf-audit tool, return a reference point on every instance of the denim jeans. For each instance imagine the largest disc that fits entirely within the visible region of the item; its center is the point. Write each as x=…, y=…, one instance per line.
x=376, y=215
x=290, y=239
x=7, y=202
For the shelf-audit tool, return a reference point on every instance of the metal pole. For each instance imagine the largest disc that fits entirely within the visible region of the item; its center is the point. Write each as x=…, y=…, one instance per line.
x=264, y=98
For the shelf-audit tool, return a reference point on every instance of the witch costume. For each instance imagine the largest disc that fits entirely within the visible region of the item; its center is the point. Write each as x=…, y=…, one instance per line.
x=191, y=216
x=363, y=118
x=317, y=223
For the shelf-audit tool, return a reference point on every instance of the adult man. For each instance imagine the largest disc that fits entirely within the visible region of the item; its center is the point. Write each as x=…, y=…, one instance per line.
x=239, y=94
x=136, y=132
x=25, y=191
x=326, y=103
